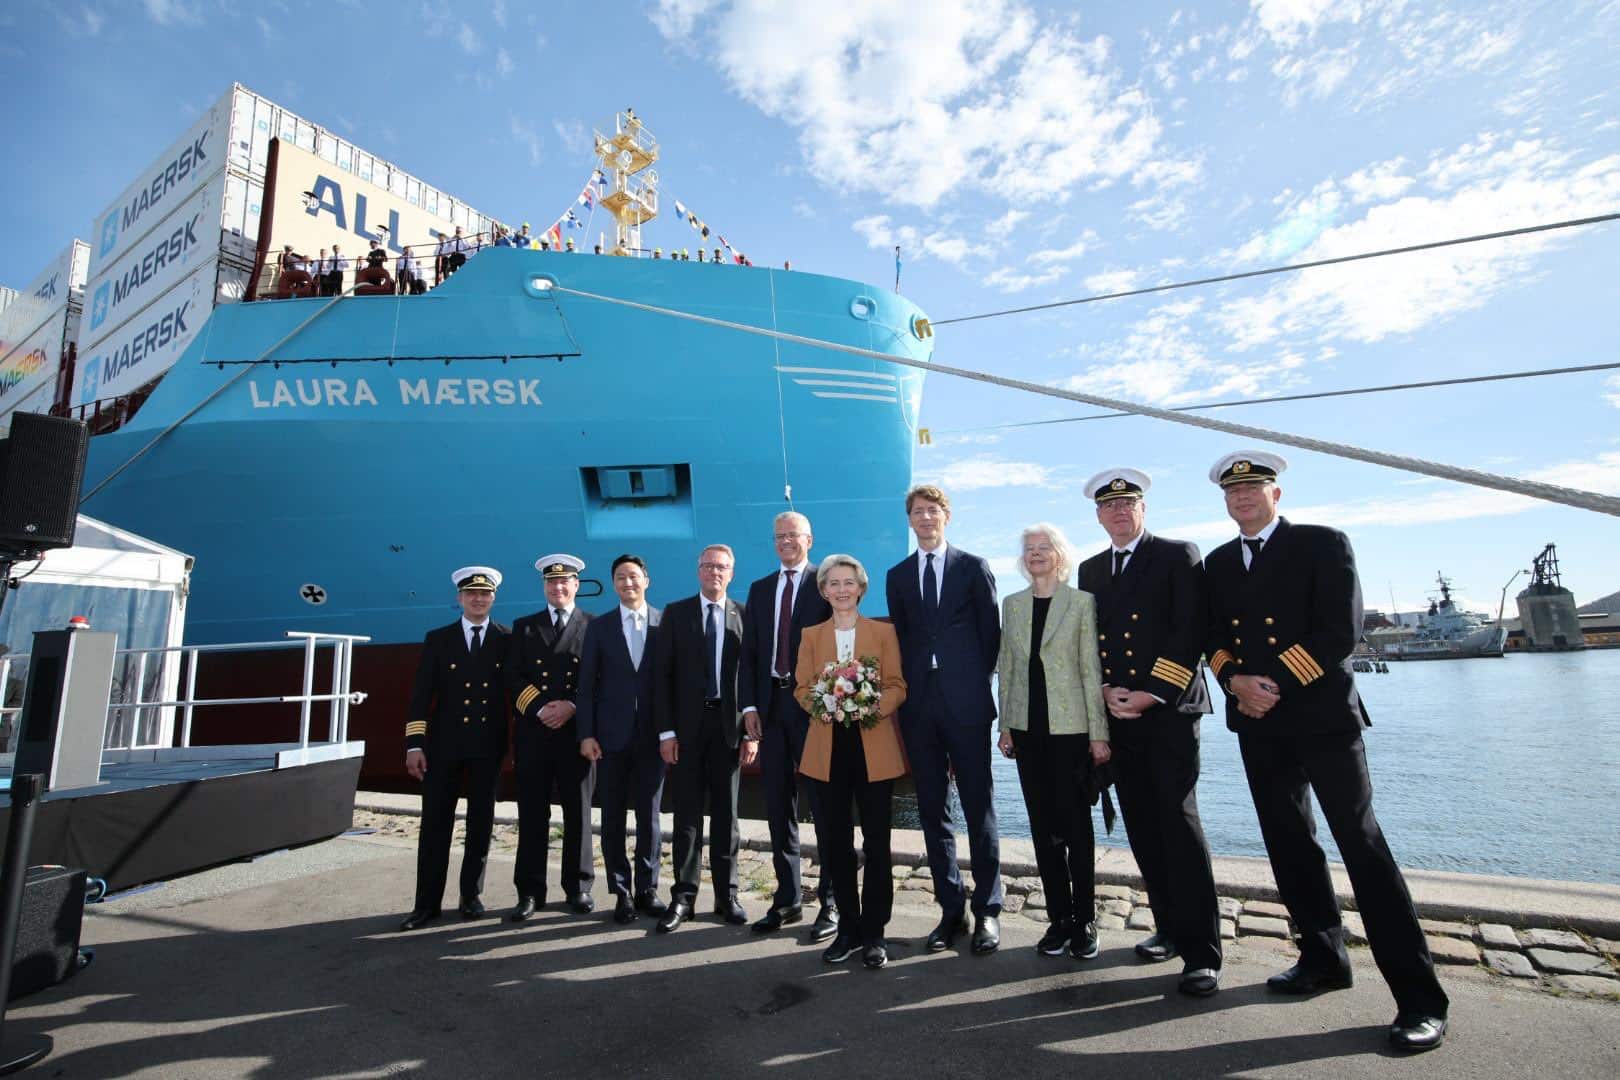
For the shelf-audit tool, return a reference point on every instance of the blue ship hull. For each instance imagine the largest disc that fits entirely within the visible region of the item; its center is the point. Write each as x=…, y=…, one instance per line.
x=395, y=439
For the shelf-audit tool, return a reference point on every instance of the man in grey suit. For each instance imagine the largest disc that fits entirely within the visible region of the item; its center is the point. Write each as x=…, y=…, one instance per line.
x=617, y=732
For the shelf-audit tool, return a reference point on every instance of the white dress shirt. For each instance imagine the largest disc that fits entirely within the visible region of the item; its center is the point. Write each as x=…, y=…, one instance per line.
x=466, y=632
x=845, y=640
x=1264, y=536
x=634, y=623
x=1129, y=550
x=776, y=610
x=939, y=579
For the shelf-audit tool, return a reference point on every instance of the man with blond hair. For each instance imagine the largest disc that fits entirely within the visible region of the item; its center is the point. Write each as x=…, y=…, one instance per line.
x=942, y=601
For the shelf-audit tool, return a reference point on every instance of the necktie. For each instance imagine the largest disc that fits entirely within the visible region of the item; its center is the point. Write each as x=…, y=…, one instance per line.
x=930, y=590
x=636, y=639
x=472, y=650
x=558, y=619
x=784, y=623
x=711, y=643
x=1254, y=549
x=1119, y=562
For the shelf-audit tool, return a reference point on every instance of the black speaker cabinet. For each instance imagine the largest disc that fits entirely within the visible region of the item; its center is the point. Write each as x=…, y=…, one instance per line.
x=41, y=469
x=48, y=931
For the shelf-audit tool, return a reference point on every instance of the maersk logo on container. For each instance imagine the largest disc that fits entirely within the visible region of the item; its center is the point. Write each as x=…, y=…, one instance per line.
x=47, y=289
x=173, y=249
x=162, y=330
x=190, y=160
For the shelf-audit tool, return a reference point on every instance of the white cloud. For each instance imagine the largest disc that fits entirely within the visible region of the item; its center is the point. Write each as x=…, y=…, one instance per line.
x=1291, y=22
x=1112, y=281
x=266, y=31
x=468, y=39
x=527, y=136
x=1379, y=181
x=1614, y=398
x=1074, y=251
x=1010, y=280
x=165, y=12
x=503, y=62
x=880, y=231
x=917, y=99
x=984, y=471
x=573, y=136
x=498, y=13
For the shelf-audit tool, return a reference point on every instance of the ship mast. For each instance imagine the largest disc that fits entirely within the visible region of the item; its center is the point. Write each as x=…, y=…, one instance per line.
x=632, y=193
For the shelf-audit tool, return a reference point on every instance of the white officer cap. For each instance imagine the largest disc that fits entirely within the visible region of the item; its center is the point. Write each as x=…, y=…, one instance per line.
x=559, y=565
x=1118, y=482
x=1246, y=467
x=477, y=577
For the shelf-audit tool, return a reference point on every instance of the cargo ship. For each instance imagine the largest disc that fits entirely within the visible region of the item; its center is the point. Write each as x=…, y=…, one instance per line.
x=328, y=460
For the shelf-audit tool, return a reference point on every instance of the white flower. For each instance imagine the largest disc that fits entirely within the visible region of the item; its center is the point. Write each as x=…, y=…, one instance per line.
x=829, y=703
x=850, y=706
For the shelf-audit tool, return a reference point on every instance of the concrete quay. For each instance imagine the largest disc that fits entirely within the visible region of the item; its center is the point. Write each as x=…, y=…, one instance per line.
x=289, y=966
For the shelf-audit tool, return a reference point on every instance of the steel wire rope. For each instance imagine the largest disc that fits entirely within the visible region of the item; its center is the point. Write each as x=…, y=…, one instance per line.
x=1585, y=500
x=1288, y=268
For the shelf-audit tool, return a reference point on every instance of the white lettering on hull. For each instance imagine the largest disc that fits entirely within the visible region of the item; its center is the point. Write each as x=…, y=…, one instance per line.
x=332, y=391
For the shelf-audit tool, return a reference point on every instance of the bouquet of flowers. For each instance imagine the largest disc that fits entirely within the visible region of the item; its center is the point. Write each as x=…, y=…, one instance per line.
x=846, y=692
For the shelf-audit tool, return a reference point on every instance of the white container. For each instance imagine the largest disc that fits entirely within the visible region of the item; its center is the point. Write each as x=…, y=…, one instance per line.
x=147, y=345
x=28, y=372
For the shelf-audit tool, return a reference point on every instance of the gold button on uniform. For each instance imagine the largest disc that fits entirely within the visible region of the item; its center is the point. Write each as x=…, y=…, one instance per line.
x=1130, y=653
x=1240, y=661
x=1127, y=635
x=1108, y=671
x=1234, y=622
x=1102, y=637
x=1134, y=617
x=1237, y=641
x=1271, y=641
x=1133, y=671
x=1269, y=621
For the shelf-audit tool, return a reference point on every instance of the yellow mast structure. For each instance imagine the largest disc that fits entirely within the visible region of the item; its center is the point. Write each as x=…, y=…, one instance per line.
x=632, y=193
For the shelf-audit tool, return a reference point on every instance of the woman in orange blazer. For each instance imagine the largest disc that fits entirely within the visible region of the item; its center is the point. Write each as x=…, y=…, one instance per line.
x=852, y=765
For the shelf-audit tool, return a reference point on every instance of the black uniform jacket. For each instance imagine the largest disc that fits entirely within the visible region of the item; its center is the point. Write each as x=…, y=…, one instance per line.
x=543, y=666
x=1151, y=624
x=458, y=707
x=1295, y=616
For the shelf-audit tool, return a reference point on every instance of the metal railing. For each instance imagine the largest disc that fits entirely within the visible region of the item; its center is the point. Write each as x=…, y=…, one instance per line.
x=338, y=700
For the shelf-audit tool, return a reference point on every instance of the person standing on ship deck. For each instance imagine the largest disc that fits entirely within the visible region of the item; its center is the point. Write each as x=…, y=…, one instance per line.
x=1151, y=604
x=457, y=725
x=1285, y=613
x=542, y=675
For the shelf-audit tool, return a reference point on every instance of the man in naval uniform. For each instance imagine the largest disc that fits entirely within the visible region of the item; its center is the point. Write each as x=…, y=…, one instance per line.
x=1150, y=629
x=1285, y=613
x=457, y=726
x=542, y=675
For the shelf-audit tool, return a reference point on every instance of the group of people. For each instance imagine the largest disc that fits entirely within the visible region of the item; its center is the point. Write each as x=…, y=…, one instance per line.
x=1089, y=686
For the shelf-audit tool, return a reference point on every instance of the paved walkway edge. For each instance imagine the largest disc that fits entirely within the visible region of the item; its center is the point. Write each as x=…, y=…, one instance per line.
x=1518, y=902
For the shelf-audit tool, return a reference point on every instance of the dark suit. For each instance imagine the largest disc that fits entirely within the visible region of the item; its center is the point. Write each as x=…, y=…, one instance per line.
x=1150, y=627
x=783, y=724
x=615, y=707
x=1294, y=617
x=457, y=716
x=708, y=730
x=947, y=717
x=544, y=667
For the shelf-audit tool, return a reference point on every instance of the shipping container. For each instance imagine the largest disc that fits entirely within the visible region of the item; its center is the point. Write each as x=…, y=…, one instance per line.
x=35, y=331
x=146, y=346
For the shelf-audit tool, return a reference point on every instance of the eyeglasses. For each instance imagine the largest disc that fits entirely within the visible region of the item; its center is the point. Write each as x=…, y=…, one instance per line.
x=713, y=566
x=788, y=536
x=1116, y=505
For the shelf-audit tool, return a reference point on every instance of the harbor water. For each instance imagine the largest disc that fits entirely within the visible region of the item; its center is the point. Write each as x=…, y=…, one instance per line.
x=1499, y=766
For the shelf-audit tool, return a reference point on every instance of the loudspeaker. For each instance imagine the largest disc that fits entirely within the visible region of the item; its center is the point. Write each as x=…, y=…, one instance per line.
x=48, y=930
x=41, y=470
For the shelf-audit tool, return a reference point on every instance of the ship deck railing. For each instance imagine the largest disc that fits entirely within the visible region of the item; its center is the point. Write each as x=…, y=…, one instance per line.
x=144, y=724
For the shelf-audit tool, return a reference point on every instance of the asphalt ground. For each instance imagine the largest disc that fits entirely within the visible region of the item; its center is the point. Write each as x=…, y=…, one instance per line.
x=290, y=966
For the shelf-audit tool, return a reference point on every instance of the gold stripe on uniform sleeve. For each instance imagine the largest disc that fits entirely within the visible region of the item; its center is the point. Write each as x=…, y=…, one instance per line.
x=1294, y=668
x=416, y=727
x=1171, y=672
x=1303, y=663
x=1219, y=661
x=526, y=698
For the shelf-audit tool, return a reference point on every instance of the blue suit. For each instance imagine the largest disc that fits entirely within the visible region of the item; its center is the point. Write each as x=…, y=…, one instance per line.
x=615, y=707
x=949, y=659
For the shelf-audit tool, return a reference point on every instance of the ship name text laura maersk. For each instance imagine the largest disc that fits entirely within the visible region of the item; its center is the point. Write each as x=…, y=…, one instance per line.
x=335, y=391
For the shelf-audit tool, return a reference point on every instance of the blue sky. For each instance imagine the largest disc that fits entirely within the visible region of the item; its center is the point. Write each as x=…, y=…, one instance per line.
x=1019, y=153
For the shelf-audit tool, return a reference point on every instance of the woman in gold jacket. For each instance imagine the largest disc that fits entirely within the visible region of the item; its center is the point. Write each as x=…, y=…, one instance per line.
x=852, y=765
x=1054, y=725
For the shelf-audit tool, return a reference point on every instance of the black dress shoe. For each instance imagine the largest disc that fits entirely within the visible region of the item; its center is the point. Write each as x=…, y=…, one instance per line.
x=944, y=935
x=1056, y=937
x=987, y=935
x=876, y=954
x=648, y=904
x=843, y=947
x=471, y=907
x=731, y=911
x=624, y=912
x=1412, y=1032
x=581, y=903
x=778, y=917
x=524, y=908
x=1083, y=945
x=420, y=918
x=1300, y=979
x=1199, y=982
x=1156, y=948
x=674, y=915
x=826, y=924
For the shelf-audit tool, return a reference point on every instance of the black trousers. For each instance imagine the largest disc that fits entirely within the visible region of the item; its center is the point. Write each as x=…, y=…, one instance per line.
x=783, y=727
x=332, y=283
x=548, y=761
x=707, y=767
x=441, y=787
x=1283, y=771
x=869, y=905
x=1050, y=769
x=631, y=777
x=453, y=262
x=1156, y=774
x=939, y=749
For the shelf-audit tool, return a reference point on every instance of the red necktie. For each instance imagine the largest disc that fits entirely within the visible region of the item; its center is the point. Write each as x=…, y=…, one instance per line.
x=784, y=623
